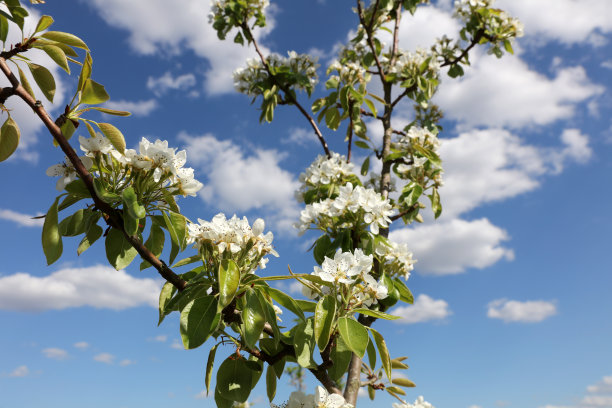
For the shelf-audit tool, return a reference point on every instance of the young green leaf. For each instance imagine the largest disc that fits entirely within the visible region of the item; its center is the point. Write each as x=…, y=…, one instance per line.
x=375, y=313
x=85, y=71
x=234, y=379
x=9, y=138
x=405, y=294
x=65, y=38
x=164, y=298
x=93, y=234
x=324, y=319
x=341, y=356
x=365, y=167
x=371, y=351
x=404, y=382
x=354, y=335
x=196, y=321
x=76, y=224
x=229, y=279
x=4, y=27
x=209, y=367
x=155, y=244
x=304, y=341
x=44, y=79
x=25, y=83
x=286, y=301
x=270, y=383
x=51, y=238
x=130, y=202
x=383, y=351
x=57, y=55
x=111, y=111
x=93, y=93
x=114, y=135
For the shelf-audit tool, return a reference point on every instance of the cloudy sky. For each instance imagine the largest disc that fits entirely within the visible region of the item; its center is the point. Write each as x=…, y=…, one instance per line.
x=512, y=288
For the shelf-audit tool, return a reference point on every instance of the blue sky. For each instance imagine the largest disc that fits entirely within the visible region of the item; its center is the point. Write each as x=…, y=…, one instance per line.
x=513, y=281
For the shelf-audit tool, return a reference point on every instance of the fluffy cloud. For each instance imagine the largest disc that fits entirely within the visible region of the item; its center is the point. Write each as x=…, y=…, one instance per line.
x=301, y=137
x=81, y=345
x=238, y=181
x=583, y=21
x=105, y=358
x=21, y=371
x=465, y=244
x=55, y=353
x=167, y=82
x=598, y=395
x=505, y=92
x=424, y=309
x=23, y=220
x=97, y=286
x=184, y=26
x=137, y=108
x=525, y=312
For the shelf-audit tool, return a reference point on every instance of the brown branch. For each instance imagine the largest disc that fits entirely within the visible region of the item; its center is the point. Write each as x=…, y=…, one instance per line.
x=113, y=216
x=288, y=94
x=398, y=17
x=480, y=34
x=368, y=31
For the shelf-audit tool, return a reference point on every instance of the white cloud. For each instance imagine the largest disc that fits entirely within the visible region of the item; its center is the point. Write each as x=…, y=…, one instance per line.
x=137, y=108
x=55, y=353
x=201, y=395
x=423, y=28
x=23, y=220
x=185, y=26
x=598, y=395
x=176, y=344
x=21, y=371
x=81, y=345
x=505, y=92
x=239, y=181
x=161, y=338
x=526, y=312
x=126, y=362
x=604, y=386
x=465, y=244
x=301, y=137
x=97, y=286
x=167, y=82
x=105, y=358
x=607, y=64
x=424, y=309
x=583, y=21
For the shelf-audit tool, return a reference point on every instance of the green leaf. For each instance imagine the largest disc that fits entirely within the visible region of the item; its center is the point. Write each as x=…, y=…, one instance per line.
x=93, y=93
x=119, y=252
x=383, y=351
x=43, y=24
x=403, y=382
x=155, y=244
x=4, y=27
x=222, y=402
x=57, y=55
x=286, y=301
x=65, y=38
x=25, y=83
x=179, y=224
x=365, y=166
x=405, y=294
x=51, y=238
x=436, y=206
x=321, y=248
x=341, y=356
x=196, y=321
x=234, y=379
x=209, y=367
x=305, y=305
x=324, y=319
x=332, y=118
x=253, y=317
x=164, y=298
x=375, y=313
x=78, y=188
x=93, y=234
x=229, y=278
x=371, y=350
x=67, y=129
x=371, y=106
x=9, y=138
x=187, y=261
x=44, y=80
x=76, y=224
x=102, y=193
x=354, y=335
x=130, y=224
x=114, y=135
x=85, y=71
x=270, y=383
x=270, y=315
x=395, y=390
x=304, y=341
x=362, y=144
x=111, y=111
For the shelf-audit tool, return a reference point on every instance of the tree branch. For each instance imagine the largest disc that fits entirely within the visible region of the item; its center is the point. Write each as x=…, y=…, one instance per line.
x=114, y=218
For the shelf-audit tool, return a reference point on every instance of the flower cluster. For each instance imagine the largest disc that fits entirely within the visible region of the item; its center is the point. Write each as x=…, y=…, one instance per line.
x=349, y=274
x=324, y=171
x=67, y=172
x=416, y=141
x=234, y=235
x=227, y=14
x=321, y=399
x=295, y=70
x=397, y=258
x=349, y=73
x=352, y=206
x=410, y=65
x=497, y=23
x=418, y=403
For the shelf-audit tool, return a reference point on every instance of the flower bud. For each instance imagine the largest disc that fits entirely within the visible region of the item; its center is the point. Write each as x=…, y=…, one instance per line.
x=258, y=227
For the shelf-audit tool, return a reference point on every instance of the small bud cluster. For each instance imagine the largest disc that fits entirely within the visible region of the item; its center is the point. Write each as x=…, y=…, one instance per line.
x=296, y=70
x=417, y=166
x=397, y=259
x=227, y=14
x=324, y=171
x=349, y=73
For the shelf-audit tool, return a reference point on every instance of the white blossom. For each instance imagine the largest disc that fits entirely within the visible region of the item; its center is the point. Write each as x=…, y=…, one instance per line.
x=95, y=145
x=324, y=170
x=345, y=267
x=66, y=171
x=323, y=399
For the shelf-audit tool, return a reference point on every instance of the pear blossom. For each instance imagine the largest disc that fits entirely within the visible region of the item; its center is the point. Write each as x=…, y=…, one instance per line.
x=67, y=172
x=99, y=144
x=373, y=290
x=323, y=399
x=345, y=267
x=185, y=183
x=324, y=170
x=397, y=258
